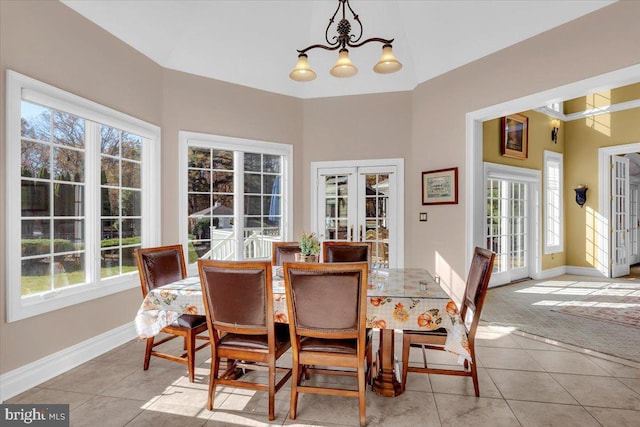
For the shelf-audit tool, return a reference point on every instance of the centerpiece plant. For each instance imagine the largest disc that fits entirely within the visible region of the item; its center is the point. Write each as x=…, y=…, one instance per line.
x=309, y=248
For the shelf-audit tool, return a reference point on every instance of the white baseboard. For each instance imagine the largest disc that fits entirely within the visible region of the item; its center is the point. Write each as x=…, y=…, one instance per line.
x=584, y=271
x=28, y=376
x=551, y=272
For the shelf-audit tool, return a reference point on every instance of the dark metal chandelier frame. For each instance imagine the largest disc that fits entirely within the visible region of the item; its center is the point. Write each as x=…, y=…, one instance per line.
x=344, y=37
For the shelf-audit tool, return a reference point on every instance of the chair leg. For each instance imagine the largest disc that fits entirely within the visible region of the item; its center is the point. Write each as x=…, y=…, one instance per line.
x=190, y=340
x=362, y=399
x=474, y=375
x=213, y=375
x=296, y=376
x=147, y=353
x=406, y=346
x=272, y=389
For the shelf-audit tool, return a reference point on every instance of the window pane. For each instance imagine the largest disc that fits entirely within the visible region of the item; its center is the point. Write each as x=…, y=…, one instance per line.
x=68, y=165
x=199, y=158
x=252, y=205
x=199, y=204
x=110, y=174
x=68, y=200
x=68, y=129
x=35, y=237
x=131, y=174
x=271, y=163
x=253, y=162
x=35, y=198
x=131, y=146
x=110, y=141
x=223, y=182
x=35, y=159
x=252, y=183
x=223, y=160
x=131, y=203
x=199, y=181
x=110, y=201
x=35, y=121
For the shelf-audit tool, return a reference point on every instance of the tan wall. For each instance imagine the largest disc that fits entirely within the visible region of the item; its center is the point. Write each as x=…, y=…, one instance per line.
x=539, y=140
x=48, y=41
x=583, y=138
x=198, y=104
x=376, y=126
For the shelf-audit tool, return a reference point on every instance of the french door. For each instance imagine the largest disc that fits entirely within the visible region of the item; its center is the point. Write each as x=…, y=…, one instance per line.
x=360, y=203
x=634, y=191
x=619, y=216
x=508, y=228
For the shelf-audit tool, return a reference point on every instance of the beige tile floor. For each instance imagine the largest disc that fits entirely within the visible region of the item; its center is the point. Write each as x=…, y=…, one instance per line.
x=524, y=381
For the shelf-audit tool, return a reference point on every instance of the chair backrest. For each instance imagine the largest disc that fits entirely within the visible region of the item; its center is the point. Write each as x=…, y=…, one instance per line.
x=346, y=251
x=237, y=296
x=476, y=288
x=327, y=300
x=282, y=252
x=159, y=266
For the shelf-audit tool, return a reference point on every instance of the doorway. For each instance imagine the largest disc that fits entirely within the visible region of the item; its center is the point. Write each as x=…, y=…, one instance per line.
x=475, y=202
x=361, y=201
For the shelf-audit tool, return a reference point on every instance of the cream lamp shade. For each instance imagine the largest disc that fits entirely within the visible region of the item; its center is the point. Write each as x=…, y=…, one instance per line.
x=388, y=62
x=302, y=72
x=343, y=67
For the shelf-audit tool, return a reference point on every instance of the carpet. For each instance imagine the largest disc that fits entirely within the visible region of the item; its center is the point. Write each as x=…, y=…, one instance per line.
x=531, y=307
x=623, y=310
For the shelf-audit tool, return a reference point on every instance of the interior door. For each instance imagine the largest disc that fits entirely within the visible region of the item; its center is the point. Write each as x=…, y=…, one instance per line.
x=359, y=204
x=634, y=255
x=508, y=231
x=619, y=216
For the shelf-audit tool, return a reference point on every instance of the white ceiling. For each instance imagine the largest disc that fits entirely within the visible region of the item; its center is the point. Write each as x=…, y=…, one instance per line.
x=254, y=43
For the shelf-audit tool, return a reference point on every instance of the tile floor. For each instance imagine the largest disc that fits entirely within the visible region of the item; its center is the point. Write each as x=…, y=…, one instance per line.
x=524, y=381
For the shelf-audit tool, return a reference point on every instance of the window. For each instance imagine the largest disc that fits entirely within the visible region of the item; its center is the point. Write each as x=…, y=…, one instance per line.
x=236, y=196
x=76, y=197
x=553, y=211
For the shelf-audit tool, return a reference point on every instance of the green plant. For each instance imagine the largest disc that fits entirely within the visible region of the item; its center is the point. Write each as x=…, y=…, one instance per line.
x=309, y=244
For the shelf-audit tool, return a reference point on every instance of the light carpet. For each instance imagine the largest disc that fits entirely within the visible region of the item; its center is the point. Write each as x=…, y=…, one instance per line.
x=533, y=307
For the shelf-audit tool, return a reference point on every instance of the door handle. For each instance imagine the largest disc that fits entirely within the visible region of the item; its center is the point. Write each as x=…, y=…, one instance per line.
x=361, y=235
x=351, y=238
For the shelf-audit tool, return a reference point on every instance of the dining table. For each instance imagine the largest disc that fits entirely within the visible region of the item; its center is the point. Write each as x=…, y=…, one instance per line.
x=397, y=299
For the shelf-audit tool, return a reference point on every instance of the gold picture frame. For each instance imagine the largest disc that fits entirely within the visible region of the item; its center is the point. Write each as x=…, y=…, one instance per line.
x=440, y=187
x=514, y=136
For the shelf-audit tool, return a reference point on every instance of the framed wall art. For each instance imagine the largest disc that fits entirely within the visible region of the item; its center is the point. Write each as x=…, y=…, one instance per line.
x=440, y=187
x=514, y=140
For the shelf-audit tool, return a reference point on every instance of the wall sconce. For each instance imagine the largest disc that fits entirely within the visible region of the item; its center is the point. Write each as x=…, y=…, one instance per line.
x=581, y=194
x=555, y=127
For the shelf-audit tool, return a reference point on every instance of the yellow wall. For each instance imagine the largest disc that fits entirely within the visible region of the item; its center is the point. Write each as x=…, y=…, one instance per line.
x=604, y=98
x=583, y=138
x=579, y=141
x=539, y=141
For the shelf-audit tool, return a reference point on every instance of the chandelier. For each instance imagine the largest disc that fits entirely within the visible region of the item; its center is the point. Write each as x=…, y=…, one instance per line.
x=343, y=67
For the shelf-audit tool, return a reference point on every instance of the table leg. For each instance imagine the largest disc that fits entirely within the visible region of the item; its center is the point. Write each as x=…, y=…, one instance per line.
x=386, y=384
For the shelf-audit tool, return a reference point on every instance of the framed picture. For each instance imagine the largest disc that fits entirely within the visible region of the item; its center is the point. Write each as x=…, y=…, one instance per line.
x=514, y=140
x=440, y=187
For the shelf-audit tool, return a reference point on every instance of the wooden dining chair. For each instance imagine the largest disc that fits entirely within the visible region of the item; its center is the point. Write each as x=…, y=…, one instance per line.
x=335, y=251
x=473, y=299
x=326, y=305
x=284, y=252
x=157, y=267
x=238, y=300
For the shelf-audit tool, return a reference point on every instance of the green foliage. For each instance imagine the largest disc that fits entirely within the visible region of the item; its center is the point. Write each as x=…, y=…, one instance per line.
x=309, y=244
x=115, y=242
x=42, y=246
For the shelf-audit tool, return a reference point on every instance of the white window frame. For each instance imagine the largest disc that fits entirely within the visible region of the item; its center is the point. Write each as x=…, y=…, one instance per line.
x=553, y=202
x=18, y=88
x=187, y=139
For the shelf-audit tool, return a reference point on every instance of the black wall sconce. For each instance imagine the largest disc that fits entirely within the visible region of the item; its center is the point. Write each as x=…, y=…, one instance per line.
x=555, y=127
x=581, y=194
